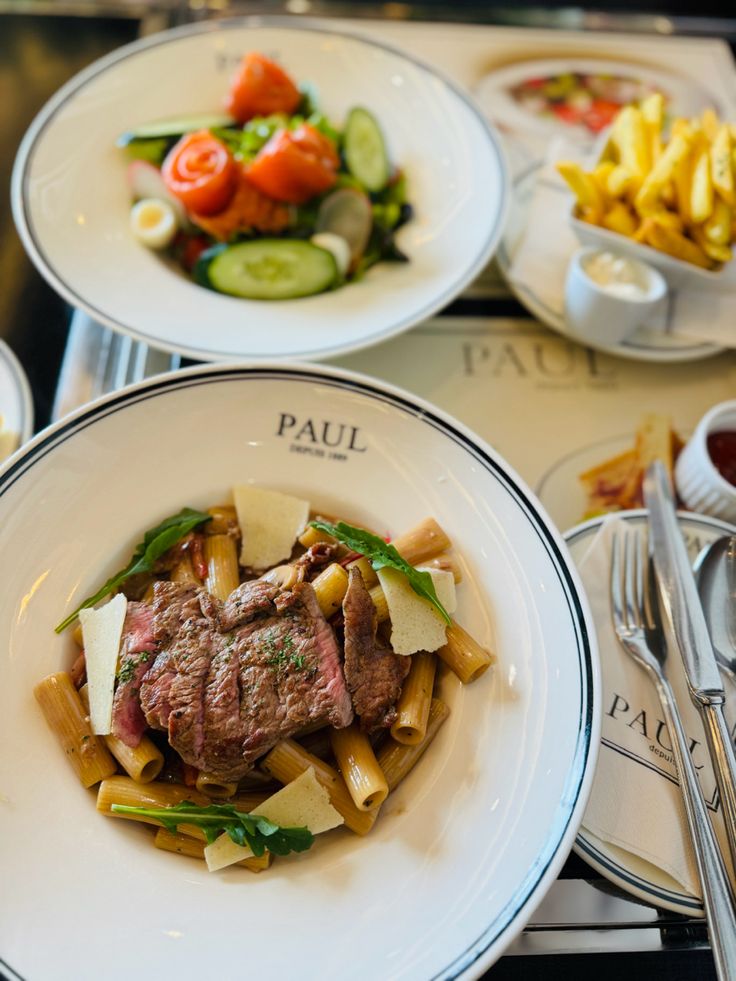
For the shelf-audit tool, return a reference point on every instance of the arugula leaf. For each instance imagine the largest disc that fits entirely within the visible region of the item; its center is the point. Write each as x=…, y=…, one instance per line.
x=383, y=555
x=155, y=542
x=244, y=829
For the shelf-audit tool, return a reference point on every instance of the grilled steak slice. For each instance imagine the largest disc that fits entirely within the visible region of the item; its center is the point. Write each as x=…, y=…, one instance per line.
x=137, y=646
x=315, y=557
x=232, y=679
x=373, y=672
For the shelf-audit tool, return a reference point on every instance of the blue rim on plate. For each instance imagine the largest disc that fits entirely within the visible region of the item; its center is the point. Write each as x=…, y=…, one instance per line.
x=478, y=956
x=20, y=184
x=590, y=849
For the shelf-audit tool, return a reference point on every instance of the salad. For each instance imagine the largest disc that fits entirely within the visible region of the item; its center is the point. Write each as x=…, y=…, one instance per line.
x=269, y=200
x=588, y=99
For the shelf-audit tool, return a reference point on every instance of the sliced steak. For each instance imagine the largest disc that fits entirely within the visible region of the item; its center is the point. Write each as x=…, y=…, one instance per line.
x=232, y=679
x=316, y=556
x=373, y=672
x=136, y=654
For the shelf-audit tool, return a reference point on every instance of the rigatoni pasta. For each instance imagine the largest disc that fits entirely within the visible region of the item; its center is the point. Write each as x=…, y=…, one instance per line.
x=142, y=763
x=223, y=574
x=412, y=708
x=464, y=654
x=288, y=760
x=397, y=760
x=68, y=720
x=194, y=848
x=359, y=768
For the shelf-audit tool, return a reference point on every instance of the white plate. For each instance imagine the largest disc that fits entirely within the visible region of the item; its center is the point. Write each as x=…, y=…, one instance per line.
x=494, y=93
x=71, y=201
x=16, y=404
x=559, y=488
x=472, y=839
x=620, y=867
x=643, y=345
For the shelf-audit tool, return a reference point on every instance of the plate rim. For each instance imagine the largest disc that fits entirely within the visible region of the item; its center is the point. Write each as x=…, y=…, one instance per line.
x=543, y=313
x=35, y=132
x=22, y=390
x=482, y=951
x=630, y=882
x=615, y=61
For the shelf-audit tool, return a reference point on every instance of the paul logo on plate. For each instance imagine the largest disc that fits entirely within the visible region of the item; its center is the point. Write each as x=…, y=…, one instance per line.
x=320, y=437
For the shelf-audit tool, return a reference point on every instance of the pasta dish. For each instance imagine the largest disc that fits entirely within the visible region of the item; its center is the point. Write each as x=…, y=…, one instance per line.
x=258, y=674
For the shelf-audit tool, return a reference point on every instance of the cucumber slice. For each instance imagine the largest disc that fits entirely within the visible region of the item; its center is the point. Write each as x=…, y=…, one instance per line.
x=272, y=269
x=174, y=127
x=365, y=150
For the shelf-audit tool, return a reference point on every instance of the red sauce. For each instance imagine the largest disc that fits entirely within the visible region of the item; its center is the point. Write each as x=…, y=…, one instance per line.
x=722, y=451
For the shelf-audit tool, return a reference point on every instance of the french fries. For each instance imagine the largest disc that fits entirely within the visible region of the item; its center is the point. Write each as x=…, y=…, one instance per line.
x=677, y=195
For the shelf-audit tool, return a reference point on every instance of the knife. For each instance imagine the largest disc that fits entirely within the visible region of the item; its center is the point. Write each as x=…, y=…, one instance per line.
x=680, y=600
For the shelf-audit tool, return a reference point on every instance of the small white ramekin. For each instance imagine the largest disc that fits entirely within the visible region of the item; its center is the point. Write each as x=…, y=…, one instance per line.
x=699, y=484
x=595, y=313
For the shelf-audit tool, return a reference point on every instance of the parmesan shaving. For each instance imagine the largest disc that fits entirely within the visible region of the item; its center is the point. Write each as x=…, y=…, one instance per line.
x=101, y=633
x=303, y=803
x=444, y=586
x=270, y=523
x=416, y=625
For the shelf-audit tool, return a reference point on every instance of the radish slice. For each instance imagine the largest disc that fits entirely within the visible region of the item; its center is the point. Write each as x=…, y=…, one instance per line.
x=347, y=213
x=153, y=223
x=337, y=245
x=145, y=181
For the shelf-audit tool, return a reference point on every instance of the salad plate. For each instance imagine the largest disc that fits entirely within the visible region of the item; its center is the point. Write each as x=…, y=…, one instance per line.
x=71, y=201
x=468, y=844
x=578, y=97
x=16, y=403
x=620, y=866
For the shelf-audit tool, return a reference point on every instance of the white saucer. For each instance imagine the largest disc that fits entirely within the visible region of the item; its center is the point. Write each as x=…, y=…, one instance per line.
x=559, y=488
x=620, y=867
x=643, y=345
x=16, y=404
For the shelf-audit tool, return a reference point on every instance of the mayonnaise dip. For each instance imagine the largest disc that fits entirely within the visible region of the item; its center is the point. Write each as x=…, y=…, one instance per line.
x=617, y=275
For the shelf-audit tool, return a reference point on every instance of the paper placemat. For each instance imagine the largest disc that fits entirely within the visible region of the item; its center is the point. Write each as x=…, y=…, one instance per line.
x=542, y=400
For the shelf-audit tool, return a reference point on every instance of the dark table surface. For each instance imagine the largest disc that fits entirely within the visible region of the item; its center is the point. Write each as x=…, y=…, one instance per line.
x=40, y=49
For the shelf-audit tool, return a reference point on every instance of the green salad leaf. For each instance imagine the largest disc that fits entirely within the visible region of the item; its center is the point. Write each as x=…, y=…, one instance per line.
x=155, y=542
x=244, y=829
x=383, y=555
x=246, y=143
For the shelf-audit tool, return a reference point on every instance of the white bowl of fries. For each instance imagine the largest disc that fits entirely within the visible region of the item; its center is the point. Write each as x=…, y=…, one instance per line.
x=666, y=197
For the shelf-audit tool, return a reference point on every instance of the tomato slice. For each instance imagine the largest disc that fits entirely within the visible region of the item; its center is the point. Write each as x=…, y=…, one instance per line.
x=259, y=88
x=249, y=210
x=566, y=113
x=601, y=114
x=200, y=172
x=295, y=167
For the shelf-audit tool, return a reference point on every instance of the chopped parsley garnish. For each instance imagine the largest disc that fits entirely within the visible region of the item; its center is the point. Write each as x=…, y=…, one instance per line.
x=282, y=652
x=127, y=669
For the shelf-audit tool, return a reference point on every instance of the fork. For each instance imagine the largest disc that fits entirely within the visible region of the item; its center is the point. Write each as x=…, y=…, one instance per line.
x=633, y=604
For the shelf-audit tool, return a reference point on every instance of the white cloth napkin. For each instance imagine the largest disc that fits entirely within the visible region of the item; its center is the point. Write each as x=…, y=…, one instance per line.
x=543, y=252
x=636, y=803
